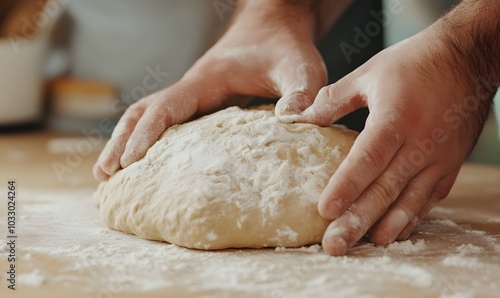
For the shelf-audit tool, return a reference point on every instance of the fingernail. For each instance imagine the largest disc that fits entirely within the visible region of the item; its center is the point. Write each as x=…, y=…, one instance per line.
x=329, y=208
x=109, y=165
x=126, y=158
x=293, y=103
x=334, y=246
x=397, y=222
x=405, y=234
x=333, y=240
x=289, y=118
x=99, y=174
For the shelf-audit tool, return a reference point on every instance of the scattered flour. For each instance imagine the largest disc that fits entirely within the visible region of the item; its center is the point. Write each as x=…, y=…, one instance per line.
x=34, y=279
x=463, y=262
x=407, y=247
x=494, y=220
x=464, y=259
x=443, y=210
x=316, y=248
x=211, y=236
x=105, y=261
x=483, y=235
x=445, y=222
x=469, y=248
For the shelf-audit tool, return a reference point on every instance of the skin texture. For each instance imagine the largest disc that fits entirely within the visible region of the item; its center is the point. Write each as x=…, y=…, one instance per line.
x=428, y=98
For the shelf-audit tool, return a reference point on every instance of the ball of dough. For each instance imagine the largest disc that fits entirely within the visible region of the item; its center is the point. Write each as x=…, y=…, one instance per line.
x=236, y=178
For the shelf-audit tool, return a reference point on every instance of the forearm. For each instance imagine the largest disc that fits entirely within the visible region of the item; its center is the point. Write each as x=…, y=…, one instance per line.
x=314, y=17
x=464, y=50
x=471, y=32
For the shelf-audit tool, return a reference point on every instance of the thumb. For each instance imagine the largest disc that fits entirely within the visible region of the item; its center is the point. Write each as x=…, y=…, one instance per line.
x=332, y=103
x=295, y=102
x=299, y=83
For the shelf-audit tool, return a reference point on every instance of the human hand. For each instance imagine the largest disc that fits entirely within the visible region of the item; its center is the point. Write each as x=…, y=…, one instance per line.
x=425, y=116
x=269, y=51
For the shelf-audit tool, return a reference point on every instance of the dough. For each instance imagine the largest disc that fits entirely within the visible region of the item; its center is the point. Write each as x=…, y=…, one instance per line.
x=235, y=178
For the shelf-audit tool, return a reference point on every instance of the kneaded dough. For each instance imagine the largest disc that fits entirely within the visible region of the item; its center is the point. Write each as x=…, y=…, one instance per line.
x=236, y=178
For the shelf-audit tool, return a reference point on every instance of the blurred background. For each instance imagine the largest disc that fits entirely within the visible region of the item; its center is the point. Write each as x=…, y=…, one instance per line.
x=73, y=66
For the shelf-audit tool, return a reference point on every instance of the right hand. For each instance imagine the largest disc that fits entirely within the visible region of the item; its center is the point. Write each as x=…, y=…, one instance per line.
x=260, y=55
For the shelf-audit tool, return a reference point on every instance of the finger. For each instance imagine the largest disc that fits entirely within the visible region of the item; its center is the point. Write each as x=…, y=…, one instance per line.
x=99, y=174
x=295, y=101
x=299, y=85
x=371, y=153
x=109, y=159
x=332, y=103
x=414, y=197
x=353, y=224
x=440, y=192
x=170, y=106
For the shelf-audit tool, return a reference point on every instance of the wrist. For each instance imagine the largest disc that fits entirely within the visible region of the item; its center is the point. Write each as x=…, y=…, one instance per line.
x=296, y=17
x=469, y=34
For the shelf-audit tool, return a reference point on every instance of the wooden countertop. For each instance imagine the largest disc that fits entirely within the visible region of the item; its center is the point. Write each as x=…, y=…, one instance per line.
x=65, y=251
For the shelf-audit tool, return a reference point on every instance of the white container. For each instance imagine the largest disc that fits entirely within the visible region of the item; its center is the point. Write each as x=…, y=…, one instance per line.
x=120, y=41
x=21, y=80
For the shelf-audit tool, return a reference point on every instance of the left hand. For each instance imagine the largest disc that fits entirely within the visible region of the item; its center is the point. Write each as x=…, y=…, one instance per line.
x=423, y=123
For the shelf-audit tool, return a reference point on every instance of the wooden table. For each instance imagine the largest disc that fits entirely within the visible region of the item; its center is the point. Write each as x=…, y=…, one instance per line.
x=63, y=250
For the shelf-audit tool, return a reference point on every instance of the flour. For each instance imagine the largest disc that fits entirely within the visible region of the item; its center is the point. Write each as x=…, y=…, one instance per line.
x=308, y=249
x=443, y=210
x=211, y=236
x=469, y=248
x=109, y=263
x=487, y=238
x=34, y=279
x=445, y=222
x=463, y=262
x=407, y=247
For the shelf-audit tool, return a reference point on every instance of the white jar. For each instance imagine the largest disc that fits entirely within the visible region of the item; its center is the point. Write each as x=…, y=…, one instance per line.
x=21, y=67
x=120, y=41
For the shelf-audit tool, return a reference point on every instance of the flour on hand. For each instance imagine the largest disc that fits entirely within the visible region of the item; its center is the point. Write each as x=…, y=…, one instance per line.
x=235, y=178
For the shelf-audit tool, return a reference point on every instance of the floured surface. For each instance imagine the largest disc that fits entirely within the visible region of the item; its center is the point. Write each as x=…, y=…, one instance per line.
x=65, y=251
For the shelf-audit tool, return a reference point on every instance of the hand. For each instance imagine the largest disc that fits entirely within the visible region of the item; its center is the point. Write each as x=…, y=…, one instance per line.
x=424, y=119
x=262, y=55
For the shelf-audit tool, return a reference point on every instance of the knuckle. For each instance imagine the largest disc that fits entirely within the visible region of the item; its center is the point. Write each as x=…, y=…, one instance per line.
x=359, y=222
x=373, y=158
x=357, y=226
x=413, y=198
x=327, y=92
x=109, y=163
x=133, y=111
x=348, y=190
x=383, y=193
x=409, y=207
x=303, y=98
